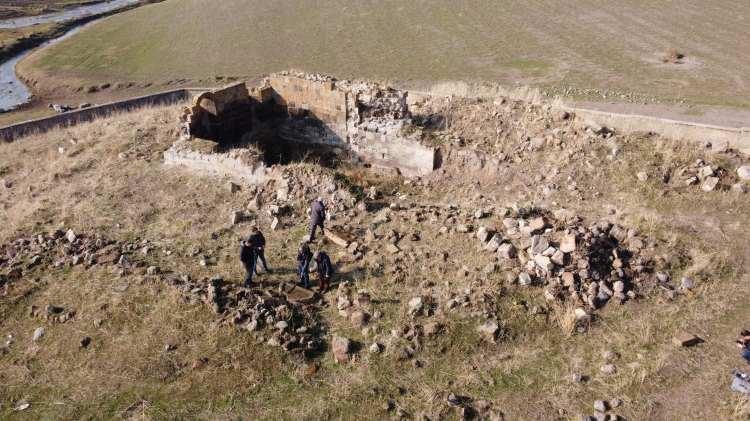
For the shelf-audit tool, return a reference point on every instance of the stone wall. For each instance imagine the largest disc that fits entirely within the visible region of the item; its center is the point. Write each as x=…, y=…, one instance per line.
x=321, y=103
x=380, y=150
x=71, y=118
x=239, y=164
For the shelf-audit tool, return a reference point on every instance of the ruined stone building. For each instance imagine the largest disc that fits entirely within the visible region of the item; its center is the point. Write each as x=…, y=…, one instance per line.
x=242, y=131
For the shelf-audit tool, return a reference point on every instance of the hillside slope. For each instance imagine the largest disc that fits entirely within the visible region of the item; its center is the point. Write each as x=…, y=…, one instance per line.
x=156, y=350
x=610, y=49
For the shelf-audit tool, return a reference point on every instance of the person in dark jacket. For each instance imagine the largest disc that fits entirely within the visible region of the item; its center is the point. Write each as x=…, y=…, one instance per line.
x=258, y=242
x=317, y=216
x=248, y=257
x=304, y=256
x=324, y=269
x=744, y=344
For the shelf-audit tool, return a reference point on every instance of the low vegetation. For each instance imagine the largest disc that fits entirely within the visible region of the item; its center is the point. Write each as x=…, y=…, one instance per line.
x=155, y=354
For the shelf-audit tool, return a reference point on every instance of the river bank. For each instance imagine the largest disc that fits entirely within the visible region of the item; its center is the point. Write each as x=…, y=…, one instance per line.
x=46, y=30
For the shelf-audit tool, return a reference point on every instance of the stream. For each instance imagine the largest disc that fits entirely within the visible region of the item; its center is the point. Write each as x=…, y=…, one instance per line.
x=13, y=92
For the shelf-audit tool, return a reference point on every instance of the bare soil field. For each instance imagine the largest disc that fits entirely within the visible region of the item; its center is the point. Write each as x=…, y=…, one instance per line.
x=583, y=50
x=122, y=340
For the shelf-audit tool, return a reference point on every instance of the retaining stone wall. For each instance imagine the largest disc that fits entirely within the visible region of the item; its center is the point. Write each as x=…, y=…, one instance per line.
x=71, y=118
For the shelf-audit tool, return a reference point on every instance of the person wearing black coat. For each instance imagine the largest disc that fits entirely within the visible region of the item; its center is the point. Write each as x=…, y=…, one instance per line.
x=258, y=242
x=317, y=217
x=324, y=269
x=249, y=257
x=304, y=256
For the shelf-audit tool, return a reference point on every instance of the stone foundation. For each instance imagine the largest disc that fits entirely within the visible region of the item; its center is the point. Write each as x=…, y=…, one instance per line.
x=238, y=164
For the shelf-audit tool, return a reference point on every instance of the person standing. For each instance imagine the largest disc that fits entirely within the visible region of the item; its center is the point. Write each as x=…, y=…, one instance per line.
x=258, y=242
x=324, y=269
x=317, y=217
x=304, y=256
x=248, y=258
x=744, y=344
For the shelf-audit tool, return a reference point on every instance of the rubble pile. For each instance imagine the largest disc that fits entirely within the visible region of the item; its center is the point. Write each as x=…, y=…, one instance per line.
x=291, y=325
x=588, y=265
x=306, y=182
x=61, y=248
x=709, y=177
x=503, y=128
x=275, y=319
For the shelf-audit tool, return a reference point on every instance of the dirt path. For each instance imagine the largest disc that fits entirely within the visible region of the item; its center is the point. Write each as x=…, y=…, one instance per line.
x=719, y=116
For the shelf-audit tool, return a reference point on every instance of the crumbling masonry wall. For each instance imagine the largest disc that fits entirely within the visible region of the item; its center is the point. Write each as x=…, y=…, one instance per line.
x=314, y=101
x=363, y=119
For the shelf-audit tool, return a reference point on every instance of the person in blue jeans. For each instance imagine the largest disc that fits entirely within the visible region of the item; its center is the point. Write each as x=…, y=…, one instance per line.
x=304, y=256
x=744, y=345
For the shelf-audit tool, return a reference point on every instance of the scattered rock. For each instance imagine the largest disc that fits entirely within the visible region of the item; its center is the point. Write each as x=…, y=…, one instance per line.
x=568, y=244
x=524, y=279
x=739, y=188
x=484, y=234
x=743, y=172
x=38, y=334
x=493, y=244
x=341, y=347
x=609, y=369
x=464, y=228
x=687, y=283
x=600, y=406
x=416, y=305
x=709, y=184
x=506, y=251
x=392, y=248
x=489, y=330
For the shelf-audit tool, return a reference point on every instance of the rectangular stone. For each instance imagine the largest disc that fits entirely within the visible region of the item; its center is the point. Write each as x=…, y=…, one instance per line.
x=392, y=248
x=336, y=238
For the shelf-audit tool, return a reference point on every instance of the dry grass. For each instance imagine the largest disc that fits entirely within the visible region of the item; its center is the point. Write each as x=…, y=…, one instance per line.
x=127, y=374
